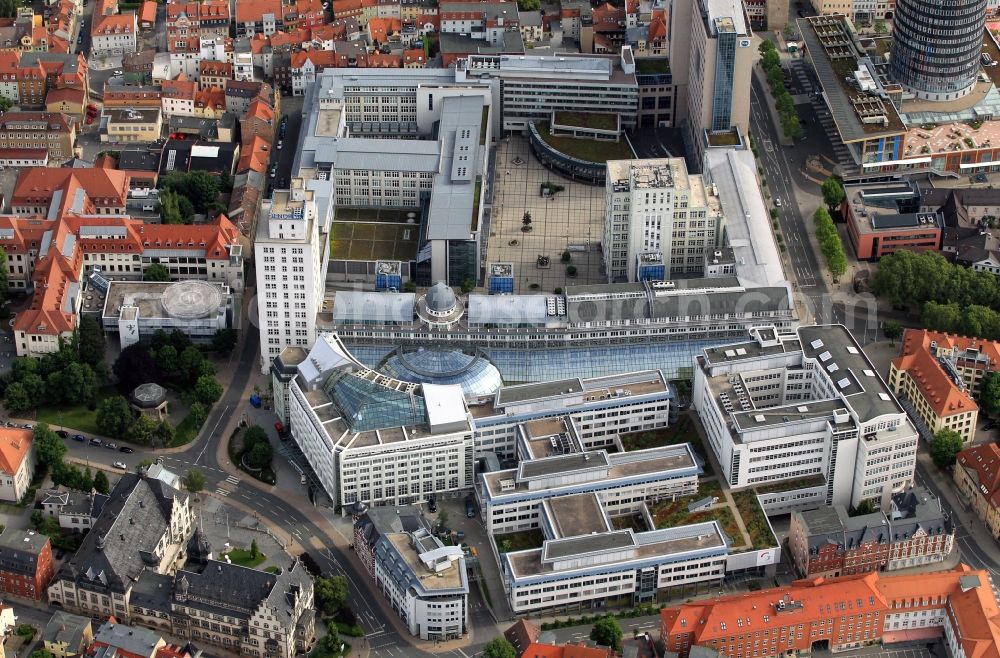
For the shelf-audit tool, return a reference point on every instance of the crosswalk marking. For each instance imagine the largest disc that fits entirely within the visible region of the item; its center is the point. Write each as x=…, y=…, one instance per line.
x=222, y=492
x=232, y=479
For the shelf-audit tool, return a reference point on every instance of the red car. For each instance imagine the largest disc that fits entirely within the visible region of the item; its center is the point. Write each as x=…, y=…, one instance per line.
x=90, y=120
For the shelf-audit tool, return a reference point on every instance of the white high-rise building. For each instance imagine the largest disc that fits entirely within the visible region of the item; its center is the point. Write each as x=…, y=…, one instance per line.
x=291, y=258
x=659, y=220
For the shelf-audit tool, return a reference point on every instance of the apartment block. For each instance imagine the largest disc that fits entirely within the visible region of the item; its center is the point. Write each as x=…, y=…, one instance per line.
x=846, y=614
x=788, y=406
x=112, y=34
x=26, y=565
x=371, y=438
x=424, y=580
x=937, y=375
x=977, y=476
x=39, y=130
x=660, y=221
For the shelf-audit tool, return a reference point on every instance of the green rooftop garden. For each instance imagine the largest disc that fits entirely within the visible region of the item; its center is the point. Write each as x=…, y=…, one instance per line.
x=652, y=65
x=594, y=120
x=590, y=150
x=754, y=519
x=791, y=485
x=519, y=541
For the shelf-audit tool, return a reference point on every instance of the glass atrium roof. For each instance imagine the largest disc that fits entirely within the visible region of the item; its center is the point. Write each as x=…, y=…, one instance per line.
x=473, y=372
x=367, y=405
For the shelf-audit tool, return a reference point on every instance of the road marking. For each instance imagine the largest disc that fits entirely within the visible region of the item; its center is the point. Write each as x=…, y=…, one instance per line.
x=232, y=480
x=222, y=492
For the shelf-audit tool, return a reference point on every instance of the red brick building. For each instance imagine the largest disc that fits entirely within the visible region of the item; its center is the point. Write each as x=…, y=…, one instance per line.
x=842, y=614
x=883, y=218
x=25, y=564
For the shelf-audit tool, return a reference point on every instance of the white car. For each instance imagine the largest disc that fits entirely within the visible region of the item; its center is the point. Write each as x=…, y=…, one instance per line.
x=118, y=71
x=777, y=202
x=280, y=144
x=121, y=465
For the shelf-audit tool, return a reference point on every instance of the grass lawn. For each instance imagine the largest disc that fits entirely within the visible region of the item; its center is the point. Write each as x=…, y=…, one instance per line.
x=520, y=541
x=591, y=150
x=359, y=241
x=724, y=139
x=272, y=569
x=186, y=431
x=77, y=416
x=652, y=65
x=754, y=519
x=673, y=513
x=682, y=431
x=789, y=485
x=243, y=558
x=596, y=120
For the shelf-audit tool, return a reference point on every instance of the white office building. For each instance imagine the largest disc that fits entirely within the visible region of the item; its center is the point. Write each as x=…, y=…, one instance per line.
x=368, y=437
x=424, y=580
x=660, y=221
x=807, y=405
x=291, y=255
x=596, y=410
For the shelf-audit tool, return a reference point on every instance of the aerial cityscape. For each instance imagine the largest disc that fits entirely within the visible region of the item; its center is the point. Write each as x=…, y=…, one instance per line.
x=499, y=329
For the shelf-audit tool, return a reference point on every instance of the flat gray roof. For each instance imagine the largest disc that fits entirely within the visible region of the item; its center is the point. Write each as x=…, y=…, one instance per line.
x=525, y=392
x=351, y=306
x=555, y=549
x=562, y=464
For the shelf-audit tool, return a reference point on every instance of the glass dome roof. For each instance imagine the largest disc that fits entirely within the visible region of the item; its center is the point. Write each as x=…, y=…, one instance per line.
x=475, y=373
x=367, y=405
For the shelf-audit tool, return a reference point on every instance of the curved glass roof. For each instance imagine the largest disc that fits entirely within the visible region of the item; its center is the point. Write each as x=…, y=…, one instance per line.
x=368, y=405
x=473, y=372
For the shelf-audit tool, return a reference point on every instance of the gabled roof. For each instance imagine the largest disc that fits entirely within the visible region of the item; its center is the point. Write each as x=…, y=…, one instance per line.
x=918, y=358
x=982, y=464
x=15, y=446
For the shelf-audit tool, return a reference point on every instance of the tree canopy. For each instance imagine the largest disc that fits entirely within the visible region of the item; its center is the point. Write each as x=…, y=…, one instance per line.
x=194, y=481
x=830, y=243
x=989, y=393
x=330, y=594
x=607, y=632
x=944, y=446
x=833, y=194
x=114, y=416
x=156, y=272
x=49, y=448
x=499, y=647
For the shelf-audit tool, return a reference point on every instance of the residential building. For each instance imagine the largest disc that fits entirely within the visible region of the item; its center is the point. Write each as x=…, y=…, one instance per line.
x=528, y=88
x=783, y=407
x=209, y=19
x=76, y=510
x=26, y=566
x=26, y=78
x=936, y=375
x=949, y=68
x=848, y=613
x=291, y=256
x=258, y=17
x=114, y=639
x=568, y=650
x=142, y=528
x=522, y=634
x=24, y=157
x=17, y=463
x=240, y=94
x=127, y=125
x=711, y=59
x=345, y=418
x=112, y=34
x=39, y=130
x=826, y=542
x=977, y=476
x=67, y=635
x=883, y=218
x=659, y=220
x=424, y=580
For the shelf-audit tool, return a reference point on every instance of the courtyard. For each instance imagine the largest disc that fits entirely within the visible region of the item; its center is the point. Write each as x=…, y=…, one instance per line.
x=570, y=220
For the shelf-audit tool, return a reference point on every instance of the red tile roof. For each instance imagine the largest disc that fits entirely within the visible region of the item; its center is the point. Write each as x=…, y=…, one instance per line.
x=15, y=444
x=937, y=387
x=252, y=11
x=982, y=464
x=147, y=12
x=536, y=650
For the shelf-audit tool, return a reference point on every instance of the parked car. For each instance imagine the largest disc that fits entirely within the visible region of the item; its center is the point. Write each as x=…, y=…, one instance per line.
x=95, y=442
x=777, y=202
x=990, y=424
x=111, y=446
x=62, y=434
x=432, y=504
x=121, y=465
x=280, y=144
x=79, y=437
x=27, y=426
x=126, y=449
x=118, y=71
x=470, y=507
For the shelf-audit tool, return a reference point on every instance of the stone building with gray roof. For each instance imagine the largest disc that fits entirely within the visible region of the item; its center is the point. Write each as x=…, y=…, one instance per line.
x=66, y=634
x=142, y=528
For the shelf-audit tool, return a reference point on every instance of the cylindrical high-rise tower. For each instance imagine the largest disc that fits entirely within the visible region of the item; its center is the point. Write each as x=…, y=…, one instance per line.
x=936, y=46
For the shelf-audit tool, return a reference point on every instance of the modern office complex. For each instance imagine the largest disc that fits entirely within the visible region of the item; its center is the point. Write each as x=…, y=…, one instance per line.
x=936, y=47
x=841, y=613
x=424, y=580
x=369, y=437
x=807, y=405
x=291, y=257
x=659, y=222
x=712, y=59
x=529, y=88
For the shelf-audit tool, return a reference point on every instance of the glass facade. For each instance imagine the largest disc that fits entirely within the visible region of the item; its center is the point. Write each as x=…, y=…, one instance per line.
x=473, y=372
x=725, y=62
x=936, y=46
x=366, y=405
x=675, y=359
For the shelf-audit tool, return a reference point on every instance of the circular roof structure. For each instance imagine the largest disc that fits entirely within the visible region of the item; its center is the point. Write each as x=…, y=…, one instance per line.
x=191, y=299
x=441, y=298
x=149, y=395
x=474, y=372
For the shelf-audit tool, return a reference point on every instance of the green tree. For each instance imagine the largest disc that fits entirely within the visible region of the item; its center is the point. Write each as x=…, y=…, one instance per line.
x=79, y=383
x=833, y=194
x=566, y=257
x=170, y=212
x=156, y=272
x=791, y=126
x=944, y=446
x=259, y=455
x=191, y=364
x=198, y=413
x=330, y=594
x=892, y=330
x=528, y=5
x=989, y=393
x=41, y=653
x=91, y=342
x=49, y=448
x=5, y=104
x=410, y=286
x=499, y=647
x=526, y=221
x=16, y=399
x=114, y=416
x=254, y=549
x=163, y=434
x=34, y=386
x=881, y=28
x=208, y=389
x=194, y=481
x=866, y=506
x=607, y=632
x=167, y=361
x=442, y=518
x=224, y=341
x=87, y=480
x=101, y=483
x=789, y=30
x=770, y=60
x=186, y=208
x=468, y=285
x=255, y=434
x=328, y=646
x=141, y=430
